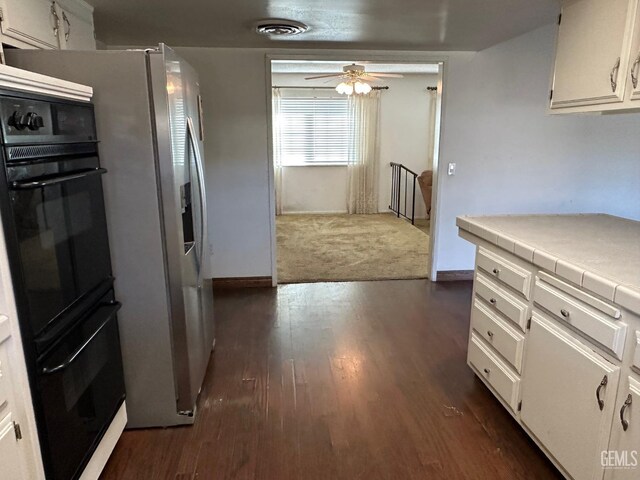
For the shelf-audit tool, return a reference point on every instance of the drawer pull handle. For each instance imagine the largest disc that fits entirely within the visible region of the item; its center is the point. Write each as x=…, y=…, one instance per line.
x=487, y=371
x=493, y=301
x=565, y=313
x=490, y=333
x=603, y=383
x=496, y=271
x=625, y=423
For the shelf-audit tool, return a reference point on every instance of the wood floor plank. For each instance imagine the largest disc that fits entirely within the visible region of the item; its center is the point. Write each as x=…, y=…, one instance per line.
x=363, y=380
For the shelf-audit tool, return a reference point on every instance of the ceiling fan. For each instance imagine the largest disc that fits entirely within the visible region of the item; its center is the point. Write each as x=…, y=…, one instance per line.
x=354, y=79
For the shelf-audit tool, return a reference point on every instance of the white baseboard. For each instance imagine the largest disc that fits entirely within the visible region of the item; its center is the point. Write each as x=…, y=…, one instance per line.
x=99, y=459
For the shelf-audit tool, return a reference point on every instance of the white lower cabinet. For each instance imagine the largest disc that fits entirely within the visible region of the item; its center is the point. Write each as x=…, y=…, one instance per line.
x=568, y=398
x=9, y=451
x=622, y=458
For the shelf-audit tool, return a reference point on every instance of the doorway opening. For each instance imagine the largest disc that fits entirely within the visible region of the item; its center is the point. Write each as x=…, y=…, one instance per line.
x=353, y=173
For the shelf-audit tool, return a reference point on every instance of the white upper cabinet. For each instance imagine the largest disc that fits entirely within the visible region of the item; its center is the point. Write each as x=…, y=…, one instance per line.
x=76, y=25
x=47, y=24
x=29, y=23
x=597, y=47
x=634, y=69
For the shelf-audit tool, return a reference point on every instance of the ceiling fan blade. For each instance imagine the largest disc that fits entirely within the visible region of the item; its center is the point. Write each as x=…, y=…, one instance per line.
x=369, y=78
x=386, y=75
x=324, y=76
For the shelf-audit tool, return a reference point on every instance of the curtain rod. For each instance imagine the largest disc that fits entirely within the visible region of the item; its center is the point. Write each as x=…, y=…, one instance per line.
x=325, y=88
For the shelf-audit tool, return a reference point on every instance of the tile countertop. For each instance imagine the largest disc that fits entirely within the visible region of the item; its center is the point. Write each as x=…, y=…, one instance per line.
x=599, y=252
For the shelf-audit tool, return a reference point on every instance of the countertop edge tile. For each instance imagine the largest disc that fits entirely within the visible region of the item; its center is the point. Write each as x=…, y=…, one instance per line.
x=628, y=297
x=604, y=287
x=544, y=260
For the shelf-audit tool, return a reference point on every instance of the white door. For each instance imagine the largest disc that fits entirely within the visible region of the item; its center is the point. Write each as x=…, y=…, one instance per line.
x=623, y=458
x=76, y=25
x=10, y=455
x=592, y=55
x=29, y=23
x=568, y=395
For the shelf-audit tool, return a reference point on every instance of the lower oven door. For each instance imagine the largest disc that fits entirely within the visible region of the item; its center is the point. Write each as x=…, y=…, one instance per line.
x=80, y=387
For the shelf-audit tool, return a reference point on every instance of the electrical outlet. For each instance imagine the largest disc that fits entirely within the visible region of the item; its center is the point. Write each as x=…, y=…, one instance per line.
x=452, y=169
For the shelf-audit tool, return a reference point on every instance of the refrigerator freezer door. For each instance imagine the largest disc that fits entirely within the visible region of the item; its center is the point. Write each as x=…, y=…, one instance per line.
x=175, y=90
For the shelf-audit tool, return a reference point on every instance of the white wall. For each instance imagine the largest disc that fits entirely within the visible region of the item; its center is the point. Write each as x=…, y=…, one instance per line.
x=512, y=157
x=404, y=126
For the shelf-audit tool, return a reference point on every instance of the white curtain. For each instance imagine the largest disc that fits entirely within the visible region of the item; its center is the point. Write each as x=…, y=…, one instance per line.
x=362, y=188
x=277, y=148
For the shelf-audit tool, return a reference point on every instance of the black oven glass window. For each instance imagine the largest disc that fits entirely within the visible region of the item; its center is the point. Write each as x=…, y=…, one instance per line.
x=64, y=250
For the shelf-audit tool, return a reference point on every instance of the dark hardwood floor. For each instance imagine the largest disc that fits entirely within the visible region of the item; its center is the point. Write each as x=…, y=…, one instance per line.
x=339, y=381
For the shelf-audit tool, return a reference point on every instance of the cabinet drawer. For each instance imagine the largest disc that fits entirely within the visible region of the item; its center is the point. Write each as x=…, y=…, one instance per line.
x=517, y=278
x=499, y=334
x=503, y=380
x=501, y=300
x=584, y=318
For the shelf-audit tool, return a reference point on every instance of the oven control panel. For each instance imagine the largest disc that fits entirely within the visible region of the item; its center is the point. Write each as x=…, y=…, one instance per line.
x=26, y=117
x=27, y=120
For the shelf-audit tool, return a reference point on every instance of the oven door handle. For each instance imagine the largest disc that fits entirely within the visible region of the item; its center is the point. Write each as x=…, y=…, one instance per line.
x=25, y=185
x=113, y=307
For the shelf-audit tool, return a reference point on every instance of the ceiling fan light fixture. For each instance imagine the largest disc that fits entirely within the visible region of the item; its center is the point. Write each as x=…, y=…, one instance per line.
x=361, y=88
x=280, y=27
x=345, y=88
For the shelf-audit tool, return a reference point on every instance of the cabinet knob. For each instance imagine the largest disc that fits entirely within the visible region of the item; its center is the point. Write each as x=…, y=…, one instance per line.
x=565, y=313
x=603, y=383
x=493, y=301
x=496, y=271
x=490, y=333
x=627, y=403
x=487, y=371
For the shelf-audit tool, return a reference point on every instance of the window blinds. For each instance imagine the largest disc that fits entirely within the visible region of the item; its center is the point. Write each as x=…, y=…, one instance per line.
x=315, y=130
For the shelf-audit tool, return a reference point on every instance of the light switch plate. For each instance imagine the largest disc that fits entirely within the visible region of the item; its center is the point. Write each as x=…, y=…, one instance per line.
x=452, y=169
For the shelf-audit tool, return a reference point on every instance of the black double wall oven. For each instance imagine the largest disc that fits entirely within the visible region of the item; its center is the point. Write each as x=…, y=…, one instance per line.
x=54, y=222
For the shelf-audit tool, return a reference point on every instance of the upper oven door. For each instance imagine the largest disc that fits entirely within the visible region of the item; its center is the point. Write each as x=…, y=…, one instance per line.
x=58, y=214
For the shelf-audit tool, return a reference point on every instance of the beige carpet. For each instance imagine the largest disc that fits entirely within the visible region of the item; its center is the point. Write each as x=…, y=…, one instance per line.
x=333, y=248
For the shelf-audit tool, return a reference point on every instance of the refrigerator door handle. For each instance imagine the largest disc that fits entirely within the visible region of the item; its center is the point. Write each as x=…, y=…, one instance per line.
x=203, y=194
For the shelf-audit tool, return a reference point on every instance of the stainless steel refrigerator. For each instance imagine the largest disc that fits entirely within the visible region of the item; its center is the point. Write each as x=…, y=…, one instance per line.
x=149, y=121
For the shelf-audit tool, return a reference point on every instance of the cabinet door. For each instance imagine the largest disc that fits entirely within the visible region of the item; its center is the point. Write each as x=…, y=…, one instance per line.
x=10, y=455
x=561, y=383
x=634, y=69
x=592, y=55
x=29, y=23
x=76, y=25
x=623, y=458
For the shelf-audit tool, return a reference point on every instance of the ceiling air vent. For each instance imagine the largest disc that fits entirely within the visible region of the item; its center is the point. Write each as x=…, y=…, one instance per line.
x=280, y=27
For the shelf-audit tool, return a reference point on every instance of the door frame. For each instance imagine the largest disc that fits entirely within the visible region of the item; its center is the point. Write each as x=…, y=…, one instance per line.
x=399, y=58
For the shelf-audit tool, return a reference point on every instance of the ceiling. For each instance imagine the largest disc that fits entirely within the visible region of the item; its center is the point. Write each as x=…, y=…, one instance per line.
x=369, y=24
x=320, y=67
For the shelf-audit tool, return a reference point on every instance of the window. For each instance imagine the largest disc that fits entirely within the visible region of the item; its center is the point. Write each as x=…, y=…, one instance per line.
x=314, y=130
